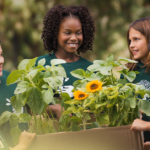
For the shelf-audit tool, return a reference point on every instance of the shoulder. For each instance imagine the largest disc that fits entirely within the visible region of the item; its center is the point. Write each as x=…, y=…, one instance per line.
x=41, y=57
x=83, y=60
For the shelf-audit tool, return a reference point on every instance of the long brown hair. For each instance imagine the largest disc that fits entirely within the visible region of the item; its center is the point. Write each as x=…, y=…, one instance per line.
x=143, y=26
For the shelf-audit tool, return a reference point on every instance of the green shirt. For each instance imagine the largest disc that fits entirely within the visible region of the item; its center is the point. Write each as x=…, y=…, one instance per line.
x=81, y=63
x=143, y=78
x=6, y=92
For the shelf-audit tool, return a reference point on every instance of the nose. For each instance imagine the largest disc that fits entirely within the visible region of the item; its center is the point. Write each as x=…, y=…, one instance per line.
x=131, y=44
x=73, y=37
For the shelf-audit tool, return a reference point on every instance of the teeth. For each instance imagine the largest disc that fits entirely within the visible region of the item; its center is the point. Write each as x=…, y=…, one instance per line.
x=73, y=44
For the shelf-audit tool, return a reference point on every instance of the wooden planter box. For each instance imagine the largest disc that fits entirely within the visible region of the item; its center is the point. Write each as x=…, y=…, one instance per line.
x=109, y=138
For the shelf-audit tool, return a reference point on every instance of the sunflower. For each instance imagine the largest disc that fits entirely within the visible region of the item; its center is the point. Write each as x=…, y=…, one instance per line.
x=79, y=95
x=94, y=86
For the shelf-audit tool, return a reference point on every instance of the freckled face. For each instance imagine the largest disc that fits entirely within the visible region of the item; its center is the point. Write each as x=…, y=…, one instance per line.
x=70, y=35
x=1, y=62
x=138, y=45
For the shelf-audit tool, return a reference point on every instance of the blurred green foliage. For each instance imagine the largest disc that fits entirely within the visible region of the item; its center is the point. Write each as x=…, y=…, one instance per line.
x=21, y=23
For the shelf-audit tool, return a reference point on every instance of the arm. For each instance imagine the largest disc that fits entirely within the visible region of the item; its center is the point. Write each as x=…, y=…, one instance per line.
x=140, y=125
x=55, y=109
x=25, y=140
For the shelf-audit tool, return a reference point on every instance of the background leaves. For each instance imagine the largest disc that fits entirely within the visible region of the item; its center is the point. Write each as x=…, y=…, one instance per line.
x=21, y=26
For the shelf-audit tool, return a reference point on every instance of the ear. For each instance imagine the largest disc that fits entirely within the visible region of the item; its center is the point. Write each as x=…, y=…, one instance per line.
x=149, y=46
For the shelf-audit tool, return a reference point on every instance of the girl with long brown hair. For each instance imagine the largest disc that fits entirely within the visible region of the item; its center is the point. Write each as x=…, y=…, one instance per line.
x=138, y=38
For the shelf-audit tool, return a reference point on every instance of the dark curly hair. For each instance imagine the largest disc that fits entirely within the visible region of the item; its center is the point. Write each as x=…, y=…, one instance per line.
x=52, y=22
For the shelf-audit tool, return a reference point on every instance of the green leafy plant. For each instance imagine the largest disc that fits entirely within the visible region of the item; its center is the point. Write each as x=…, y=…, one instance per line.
x=113, y=101
x=36, y=86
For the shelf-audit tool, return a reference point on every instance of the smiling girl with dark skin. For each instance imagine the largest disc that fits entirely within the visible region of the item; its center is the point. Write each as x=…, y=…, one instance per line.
x=67, y=31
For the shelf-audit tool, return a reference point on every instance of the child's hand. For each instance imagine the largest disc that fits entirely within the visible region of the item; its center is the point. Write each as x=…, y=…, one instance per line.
x=147, y=146
x=140, y=125
x=25, y=140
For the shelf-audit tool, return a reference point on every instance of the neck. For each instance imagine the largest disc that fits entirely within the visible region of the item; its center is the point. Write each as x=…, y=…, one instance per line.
x=68, y=57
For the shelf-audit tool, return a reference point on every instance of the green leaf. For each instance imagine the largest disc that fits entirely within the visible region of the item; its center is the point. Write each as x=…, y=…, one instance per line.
x=14, y=76
x=61, y=71
x=100, y=62
x=105, y=70
x=21, y=87
x=88, y=101
x=54, y=82
x=23, y=98
x=5, y=117
x=122, y=81
x=114, y=115
x=23, y=64
x=16, y=103
x=99, y=76
x=48, y=95
x=64, y=98
x=33, y=71
x=100, y=104
x=78, y=73
x=144, y=106
x=93, y=67
x=30, y=64
x=110, y=59
x=95, y=125
x=116, y=64
x=131, y=76
x=75, y=119
x=103, y=119
x=35, y=100
x=127, y=60
x=24, y=118
x=41, y=62
x=76, y=84
x=75, y=127
x=57, y=61
x=15, y=133
x=131, y=101
x=13, y=120
x=90, y=76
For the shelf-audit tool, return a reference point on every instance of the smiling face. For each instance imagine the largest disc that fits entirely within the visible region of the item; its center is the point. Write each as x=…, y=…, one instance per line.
x=1, y=61
x=70, y=35
x=138, y=45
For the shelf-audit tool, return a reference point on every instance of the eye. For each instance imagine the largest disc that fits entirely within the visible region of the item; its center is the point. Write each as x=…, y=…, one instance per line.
x=136, y=39
x=79, y=33
x=129, y=41
x=67, y=32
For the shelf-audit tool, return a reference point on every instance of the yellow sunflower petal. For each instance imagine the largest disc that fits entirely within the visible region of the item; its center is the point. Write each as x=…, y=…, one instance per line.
x=79, y=95
x=94, y=86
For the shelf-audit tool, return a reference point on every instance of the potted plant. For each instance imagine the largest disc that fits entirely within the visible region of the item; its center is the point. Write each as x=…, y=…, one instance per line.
x=98, y=91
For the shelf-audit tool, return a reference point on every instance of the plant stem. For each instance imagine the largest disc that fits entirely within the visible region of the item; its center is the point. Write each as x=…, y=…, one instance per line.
x=112, y=77
x=35, y=126
x=53, y=117
x=84, y=120
x=31, y=81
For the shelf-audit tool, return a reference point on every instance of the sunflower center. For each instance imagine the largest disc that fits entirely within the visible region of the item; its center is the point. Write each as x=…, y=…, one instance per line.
x=94, y=86
x=81, y=95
